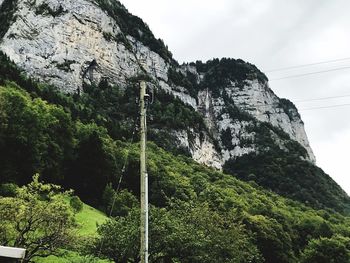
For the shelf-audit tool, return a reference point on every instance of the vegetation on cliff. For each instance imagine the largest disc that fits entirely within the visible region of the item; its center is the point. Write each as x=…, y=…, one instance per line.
x=135, y=27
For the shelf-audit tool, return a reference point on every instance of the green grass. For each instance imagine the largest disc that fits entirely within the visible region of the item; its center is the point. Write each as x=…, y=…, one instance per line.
x=88, y=219
x=70, y=257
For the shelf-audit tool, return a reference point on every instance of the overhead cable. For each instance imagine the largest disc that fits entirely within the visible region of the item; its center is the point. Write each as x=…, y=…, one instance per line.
x=324, y=98
x=307, y=65
x=326, y=107
x=310, y=73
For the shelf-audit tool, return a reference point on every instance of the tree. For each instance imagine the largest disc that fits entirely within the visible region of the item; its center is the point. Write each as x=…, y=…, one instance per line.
x=38, y=219
x=76, y=204
x=327, y=250
x=117, y=203
x=8, y=190
x=119, y=239
x=274, y=243
x=38, y=133
x=95, y=164
x=186, y=233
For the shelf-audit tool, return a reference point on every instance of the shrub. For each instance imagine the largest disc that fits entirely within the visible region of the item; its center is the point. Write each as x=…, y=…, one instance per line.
x=76, y=204
x=8, y=190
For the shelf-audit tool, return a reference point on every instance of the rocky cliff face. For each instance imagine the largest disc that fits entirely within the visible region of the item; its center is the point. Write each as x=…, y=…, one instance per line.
x=70, y=42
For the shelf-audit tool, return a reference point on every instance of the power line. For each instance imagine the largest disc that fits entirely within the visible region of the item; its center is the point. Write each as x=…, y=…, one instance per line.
x=324, y=98
x=307, y=65
x=250, y=108
x=310, y=73
x=306, y=109
x=325, y=107
x=295, y=101
x=299, y=110
x=120, y=178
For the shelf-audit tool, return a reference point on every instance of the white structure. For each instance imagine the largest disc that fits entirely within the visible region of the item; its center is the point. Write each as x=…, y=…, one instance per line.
x=12, y=252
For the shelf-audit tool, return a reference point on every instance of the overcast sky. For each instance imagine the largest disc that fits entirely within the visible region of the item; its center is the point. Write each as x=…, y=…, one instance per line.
x=272, y=34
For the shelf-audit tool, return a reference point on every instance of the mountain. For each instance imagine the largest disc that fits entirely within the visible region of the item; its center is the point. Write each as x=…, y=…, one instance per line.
x=69, y=85
x=222, y=112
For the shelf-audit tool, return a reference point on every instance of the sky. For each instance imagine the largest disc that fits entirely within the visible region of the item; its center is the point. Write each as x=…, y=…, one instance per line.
x=273, y=34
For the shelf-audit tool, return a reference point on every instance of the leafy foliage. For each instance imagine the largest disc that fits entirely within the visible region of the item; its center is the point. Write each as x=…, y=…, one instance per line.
x=174, y=237
x=186, y=193
x=38, y=219
x=7, y=11
x=290, y=176
x=188, y=81
x=117, y=203
x=220, y=73
x=44, y=9
x=8, y=190
x=41, y=135
x=10, y=72
x=65, y=66
x=135, y=27
x=170, y=112
x=289, y=108
x=328, y=250
x=76, y=204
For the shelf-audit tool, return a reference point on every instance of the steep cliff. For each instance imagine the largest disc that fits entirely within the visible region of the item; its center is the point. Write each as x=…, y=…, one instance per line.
x=67, y=43
x=231, y=111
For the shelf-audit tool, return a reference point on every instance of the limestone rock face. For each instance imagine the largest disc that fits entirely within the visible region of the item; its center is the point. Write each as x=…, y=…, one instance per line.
x=259, y=101
x=69, y=42
x=201, y=149
x=73, y=45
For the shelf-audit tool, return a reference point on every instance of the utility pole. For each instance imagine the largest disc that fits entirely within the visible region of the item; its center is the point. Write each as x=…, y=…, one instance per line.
x=144, y=176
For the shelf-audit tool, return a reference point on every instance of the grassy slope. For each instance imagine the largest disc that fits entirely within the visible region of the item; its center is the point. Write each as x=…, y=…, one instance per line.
x=87, y=219
x=70, y=257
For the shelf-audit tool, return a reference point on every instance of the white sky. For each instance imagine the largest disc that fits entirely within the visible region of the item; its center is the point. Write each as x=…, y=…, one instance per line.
x=272, y=34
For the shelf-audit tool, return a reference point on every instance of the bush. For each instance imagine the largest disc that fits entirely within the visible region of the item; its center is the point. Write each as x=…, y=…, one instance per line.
x=118, y=204
x=7, y=11
x=135, y=27
x=76, y=204
x=8, y=190
x=328, y=250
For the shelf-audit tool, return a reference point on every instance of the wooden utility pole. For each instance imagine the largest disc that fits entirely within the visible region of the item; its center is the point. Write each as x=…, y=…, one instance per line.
x=144, y=176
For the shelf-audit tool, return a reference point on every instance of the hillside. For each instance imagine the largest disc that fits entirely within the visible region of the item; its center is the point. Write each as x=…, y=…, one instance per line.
x=188, y=200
